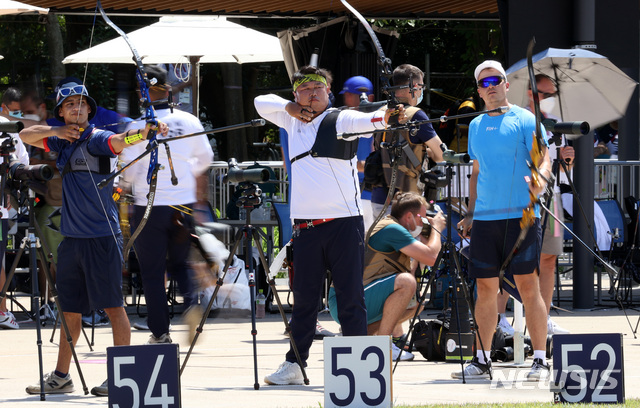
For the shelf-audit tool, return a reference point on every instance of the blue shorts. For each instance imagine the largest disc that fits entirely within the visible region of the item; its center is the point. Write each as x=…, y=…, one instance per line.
x=375, y=295
x=89, y=274
x=491, y=243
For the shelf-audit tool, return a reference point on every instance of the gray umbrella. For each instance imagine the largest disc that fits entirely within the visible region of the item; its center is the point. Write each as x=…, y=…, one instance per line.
x=590, y=87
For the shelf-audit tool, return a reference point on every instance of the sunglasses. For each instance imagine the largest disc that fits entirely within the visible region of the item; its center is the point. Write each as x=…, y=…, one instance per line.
x=490, y=81
x=72, y=90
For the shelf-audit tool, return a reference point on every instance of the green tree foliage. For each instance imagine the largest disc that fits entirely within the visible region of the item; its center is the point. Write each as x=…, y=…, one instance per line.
x=23, y=46
x=27, y=63
x=454, y=48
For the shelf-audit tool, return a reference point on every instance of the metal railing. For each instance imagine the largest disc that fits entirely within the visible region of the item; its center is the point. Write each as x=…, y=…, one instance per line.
x=613, y=179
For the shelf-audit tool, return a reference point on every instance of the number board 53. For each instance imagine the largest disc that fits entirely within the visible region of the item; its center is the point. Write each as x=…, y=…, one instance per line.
x=357, y=371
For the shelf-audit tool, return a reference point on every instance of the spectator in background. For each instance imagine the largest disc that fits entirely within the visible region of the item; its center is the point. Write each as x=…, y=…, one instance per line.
x=355, y=90
x=10, y=107
x=606, y=143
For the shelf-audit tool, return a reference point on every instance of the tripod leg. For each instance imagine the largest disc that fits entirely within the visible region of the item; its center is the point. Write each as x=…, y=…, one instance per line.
x=219, y=282
x=272, y=285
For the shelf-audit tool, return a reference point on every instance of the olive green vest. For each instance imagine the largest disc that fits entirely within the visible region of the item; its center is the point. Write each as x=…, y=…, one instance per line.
x=382, y=264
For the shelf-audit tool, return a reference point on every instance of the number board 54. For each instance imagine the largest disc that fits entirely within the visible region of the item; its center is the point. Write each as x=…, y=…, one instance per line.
x=144, y=376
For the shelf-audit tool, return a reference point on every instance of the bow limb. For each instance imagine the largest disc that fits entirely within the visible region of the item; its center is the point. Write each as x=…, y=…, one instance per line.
x=386, y=72
x=150, y=199
x=386, y=68
x=538, y=156
x=144, y=84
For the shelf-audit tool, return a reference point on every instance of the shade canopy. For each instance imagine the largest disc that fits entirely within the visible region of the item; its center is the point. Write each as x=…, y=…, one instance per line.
x=8, y=7
x=590, y=87
x=174, y=39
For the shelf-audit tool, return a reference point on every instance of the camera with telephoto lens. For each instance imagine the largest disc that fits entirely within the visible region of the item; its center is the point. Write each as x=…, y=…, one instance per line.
x=432, y=179
x=22, y=172
x=237, y=175
x=18, y=171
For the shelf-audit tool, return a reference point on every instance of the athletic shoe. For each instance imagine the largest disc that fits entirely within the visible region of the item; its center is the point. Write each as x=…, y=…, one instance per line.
x=164, y=339
x=539, y=370
x=287, y=374
x=53, y=385
x=404, y=355
x=553, y=328
x=474, y=370
x=321, y=332
x=401, y=341
x=140, y=325
x=8, y=321
x=506, y=327
x=101, y=390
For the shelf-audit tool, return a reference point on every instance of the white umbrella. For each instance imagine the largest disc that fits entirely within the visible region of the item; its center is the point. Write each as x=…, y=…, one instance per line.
x=174, y=39
x=14, y=7
x=590, y=87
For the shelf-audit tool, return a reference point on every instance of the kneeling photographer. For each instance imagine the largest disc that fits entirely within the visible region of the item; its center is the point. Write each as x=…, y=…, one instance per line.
x=389, y=286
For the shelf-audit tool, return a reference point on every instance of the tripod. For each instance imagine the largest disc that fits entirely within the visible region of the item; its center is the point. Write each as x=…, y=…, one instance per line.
x=448, y=253
x=460, y=282
x=35, y=250
x=248, y=234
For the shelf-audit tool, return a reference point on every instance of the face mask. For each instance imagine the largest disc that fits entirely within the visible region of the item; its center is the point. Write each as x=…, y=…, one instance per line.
x=420, y=98
x=16, y=114
x=31, y=116
x=416, y=231
x=547, y=104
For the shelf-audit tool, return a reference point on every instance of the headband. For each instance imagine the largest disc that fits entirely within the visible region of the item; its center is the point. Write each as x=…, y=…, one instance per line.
x=309, y=78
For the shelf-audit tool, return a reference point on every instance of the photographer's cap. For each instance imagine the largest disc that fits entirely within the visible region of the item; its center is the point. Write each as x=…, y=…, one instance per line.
x=71, y=88
x=357, y=85
x=489, y=64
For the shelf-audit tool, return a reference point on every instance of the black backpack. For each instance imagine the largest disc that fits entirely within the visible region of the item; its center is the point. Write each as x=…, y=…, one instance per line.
x=430, y=338
x=373, y=172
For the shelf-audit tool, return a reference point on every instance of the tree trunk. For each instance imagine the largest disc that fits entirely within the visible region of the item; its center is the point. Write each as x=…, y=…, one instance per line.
x=237, y=141
x=56, y=50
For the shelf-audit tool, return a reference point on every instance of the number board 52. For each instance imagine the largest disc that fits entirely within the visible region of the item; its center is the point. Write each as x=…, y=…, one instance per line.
x=588, y=368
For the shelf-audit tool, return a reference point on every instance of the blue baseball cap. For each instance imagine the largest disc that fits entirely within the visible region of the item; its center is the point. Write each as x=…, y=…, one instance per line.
x=73, y=87
x=357, y=85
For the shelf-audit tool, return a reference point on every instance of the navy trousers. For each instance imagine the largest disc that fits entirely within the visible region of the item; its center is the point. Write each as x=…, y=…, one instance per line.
x=163, y=245
x=337, y=246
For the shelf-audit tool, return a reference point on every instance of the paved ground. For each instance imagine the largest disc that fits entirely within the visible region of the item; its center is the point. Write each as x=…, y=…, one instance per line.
x=220, y=372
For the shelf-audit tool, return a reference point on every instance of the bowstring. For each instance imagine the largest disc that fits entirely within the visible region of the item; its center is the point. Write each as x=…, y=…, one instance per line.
x=93, y=181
